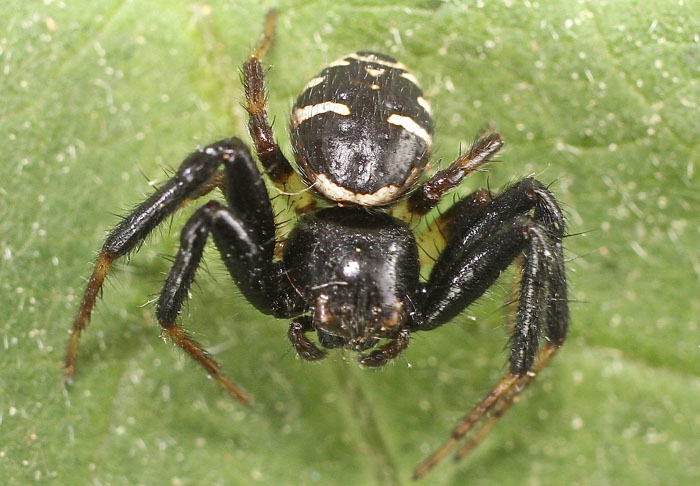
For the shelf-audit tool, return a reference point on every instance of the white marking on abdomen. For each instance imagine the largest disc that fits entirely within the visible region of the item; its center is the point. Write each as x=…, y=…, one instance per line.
x=425, y=105
x=377, y=60
x=300, y=115
x=408, y=124
x=334, y=192
x=411, y=78
x=339, y=62
x=374, y=72
x=314, y=81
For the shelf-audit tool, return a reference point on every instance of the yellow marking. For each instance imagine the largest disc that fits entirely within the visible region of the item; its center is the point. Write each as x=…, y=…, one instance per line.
x=335, y=192
x=339, y=62
x=374, y=59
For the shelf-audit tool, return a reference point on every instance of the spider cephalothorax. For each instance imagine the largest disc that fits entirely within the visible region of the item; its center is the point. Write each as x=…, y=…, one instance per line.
x=362, y=134
x=357, y=271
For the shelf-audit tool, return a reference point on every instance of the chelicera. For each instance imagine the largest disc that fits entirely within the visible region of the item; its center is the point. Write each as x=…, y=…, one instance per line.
x=362, y=134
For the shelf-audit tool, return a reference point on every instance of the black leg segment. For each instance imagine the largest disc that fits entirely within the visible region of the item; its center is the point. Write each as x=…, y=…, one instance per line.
x=525, y=221
x=196, y=170
x=249, y=263
x=197, y=175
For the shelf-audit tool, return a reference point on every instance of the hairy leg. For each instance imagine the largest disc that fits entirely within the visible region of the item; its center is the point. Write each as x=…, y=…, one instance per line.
x=249, y=262
x=193, y=178
x=472, y=261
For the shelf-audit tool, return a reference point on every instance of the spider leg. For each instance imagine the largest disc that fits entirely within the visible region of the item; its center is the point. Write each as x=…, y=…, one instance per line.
x=387, y=352
x=445, y=296
x=194, y=178
x=301, y=344
x=473, y=259
x=501, y=407
x=276, y=165
x=462, y=214
x=429, y=194
x=248, y=260
x=273, y=160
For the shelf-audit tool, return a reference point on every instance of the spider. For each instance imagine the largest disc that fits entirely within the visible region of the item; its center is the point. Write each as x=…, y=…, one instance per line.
x=362, y=134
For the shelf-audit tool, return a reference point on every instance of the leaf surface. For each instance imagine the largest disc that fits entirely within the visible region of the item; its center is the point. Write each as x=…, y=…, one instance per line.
x=98, y=98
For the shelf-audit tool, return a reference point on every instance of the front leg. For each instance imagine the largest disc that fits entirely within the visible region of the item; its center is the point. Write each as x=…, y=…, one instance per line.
x=197, y=175
x=250, y=264
x=473, y=259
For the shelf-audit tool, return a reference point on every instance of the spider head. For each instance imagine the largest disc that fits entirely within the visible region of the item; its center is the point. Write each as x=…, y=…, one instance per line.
x=355, y=326
x=357, y=272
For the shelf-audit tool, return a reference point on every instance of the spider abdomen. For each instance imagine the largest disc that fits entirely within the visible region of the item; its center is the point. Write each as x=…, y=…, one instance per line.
x=362, y=131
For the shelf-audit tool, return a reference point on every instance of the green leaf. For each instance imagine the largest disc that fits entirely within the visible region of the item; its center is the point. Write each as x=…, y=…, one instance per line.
x=599, y=98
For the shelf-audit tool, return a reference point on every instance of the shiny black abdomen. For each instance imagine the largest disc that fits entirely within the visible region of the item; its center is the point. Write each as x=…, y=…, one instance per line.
x=361, y=130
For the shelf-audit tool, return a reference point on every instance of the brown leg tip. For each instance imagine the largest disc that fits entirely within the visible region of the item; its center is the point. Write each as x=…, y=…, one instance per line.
x=243, y=399
x=68, y=377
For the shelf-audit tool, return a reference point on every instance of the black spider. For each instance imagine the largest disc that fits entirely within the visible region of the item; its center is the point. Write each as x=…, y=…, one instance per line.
x=362, y=135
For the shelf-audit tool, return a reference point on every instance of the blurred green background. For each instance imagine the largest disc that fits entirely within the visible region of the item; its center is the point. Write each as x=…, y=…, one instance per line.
x=98, y=98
